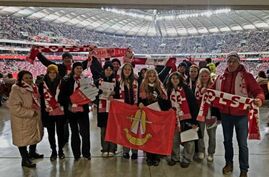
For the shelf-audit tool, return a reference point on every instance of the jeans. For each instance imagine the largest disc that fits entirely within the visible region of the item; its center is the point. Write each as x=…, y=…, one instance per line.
x=188, y=150
x=107, y=146
x=241, y=128
x=211, y=139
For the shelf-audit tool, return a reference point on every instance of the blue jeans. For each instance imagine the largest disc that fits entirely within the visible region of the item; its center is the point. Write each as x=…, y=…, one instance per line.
x=241, y=128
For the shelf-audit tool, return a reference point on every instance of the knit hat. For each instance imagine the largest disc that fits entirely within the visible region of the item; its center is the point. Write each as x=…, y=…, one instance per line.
x=182, y=64
x=108, y=64
x=233, y=54
x=116, y=60
x=52, y=68
x=76, y=64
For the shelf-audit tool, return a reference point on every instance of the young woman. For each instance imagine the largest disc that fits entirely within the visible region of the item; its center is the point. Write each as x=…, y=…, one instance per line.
x=193, y=76
x=108, y=148
x=129, y=93
x=52, y=112
x=184, y=103
x=205, y=81
x=26, y=125
x=77, y=115
x=151, y=91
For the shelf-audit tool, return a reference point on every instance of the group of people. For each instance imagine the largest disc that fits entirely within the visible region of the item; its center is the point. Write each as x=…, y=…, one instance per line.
x=18, y=28
x=50, y=105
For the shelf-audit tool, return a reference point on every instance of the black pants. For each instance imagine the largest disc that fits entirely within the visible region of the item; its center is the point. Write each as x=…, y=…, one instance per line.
x=153, y=157
x=58, y=122
x=80, y=124
x=24, y=152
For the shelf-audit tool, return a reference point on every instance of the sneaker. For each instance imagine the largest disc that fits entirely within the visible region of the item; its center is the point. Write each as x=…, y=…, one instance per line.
x=156, y=162
x=111, y=154
x=53, y=156
x=61, y=155
x=171, y=162
x=104, y=154
x=134, y=156
x=149, y=162
x=210, y=158
x=184, y=164
x=88, y=157
x=201, y=156
x=243, y=174
x=28, y=163
x=126, y=155
x=36, y=156
x=227, y=169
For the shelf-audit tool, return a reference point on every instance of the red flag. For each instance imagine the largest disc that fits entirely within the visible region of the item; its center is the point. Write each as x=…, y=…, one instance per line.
x=146, y=129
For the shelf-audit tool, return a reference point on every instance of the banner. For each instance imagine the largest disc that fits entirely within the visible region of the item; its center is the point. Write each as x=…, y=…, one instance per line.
x=219, y=99
x=143, y=129
x=98, y=52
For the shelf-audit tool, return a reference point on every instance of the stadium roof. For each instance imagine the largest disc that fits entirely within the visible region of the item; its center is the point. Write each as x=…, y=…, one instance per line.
x=134, y=22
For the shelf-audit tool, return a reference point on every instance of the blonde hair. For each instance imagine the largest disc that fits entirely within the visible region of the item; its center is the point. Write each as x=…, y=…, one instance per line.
x=144, y=85
x=199, y=81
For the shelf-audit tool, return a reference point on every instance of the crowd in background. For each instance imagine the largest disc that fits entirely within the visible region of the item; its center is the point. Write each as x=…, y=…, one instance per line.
x=28, y=29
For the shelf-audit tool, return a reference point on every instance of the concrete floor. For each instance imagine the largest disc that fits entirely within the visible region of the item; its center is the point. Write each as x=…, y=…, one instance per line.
x=10, y=161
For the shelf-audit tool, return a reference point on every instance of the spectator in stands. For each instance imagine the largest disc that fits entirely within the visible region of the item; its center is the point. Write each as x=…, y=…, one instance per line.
x=233, y=117
x=1, y=88
x=26, y=123
x=262, y=80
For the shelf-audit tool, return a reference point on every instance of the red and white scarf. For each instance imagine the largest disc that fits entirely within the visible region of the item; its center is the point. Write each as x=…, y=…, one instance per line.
x=51, y=101
x=180, y=102
x=135, y=91
x=34, y=92
x=75, y=107
x=98, y=52
x=219, y=99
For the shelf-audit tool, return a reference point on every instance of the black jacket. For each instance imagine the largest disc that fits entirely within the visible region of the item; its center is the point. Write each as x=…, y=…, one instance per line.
x=66, y=90
x=52, y=87
x=193, y=106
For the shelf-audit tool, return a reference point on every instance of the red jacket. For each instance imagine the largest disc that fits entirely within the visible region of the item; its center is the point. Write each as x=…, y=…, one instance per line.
x=253, y=89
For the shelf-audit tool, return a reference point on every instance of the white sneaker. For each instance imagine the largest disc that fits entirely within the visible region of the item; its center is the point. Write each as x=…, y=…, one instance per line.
x=104, y=154
x=201, y=155
x=210, y=158
x=111, y=154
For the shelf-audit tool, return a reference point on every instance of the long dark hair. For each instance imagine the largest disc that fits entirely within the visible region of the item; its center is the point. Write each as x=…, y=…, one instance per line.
x=20, y=76
x=170, y=86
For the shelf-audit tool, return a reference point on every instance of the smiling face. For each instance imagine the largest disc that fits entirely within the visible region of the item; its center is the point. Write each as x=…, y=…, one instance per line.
x=127, y=70
x=193, y=72
x=116, y=66
x=78, y=70
x=233, y=63
x=52, y=75
x=175, y=80
x=108, y=72
x=152, y=77
x=204, y=76
x=28, y=78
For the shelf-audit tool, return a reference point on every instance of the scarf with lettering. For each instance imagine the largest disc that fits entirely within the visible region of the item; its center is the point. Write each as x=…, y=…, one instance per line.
x=51, y=101
x=218, y=99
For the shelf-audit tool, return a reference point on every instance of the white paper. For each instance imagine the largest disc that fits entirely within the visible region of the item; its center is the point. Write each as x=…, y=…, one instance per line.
x=154, y=106
x=107, y=105
x=189, y=135
x=107, y=88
